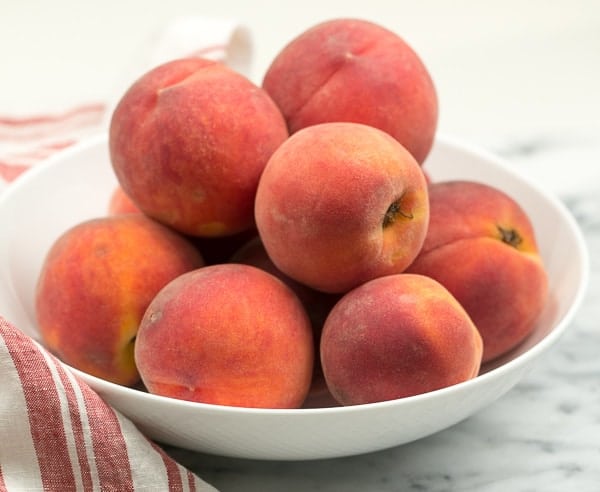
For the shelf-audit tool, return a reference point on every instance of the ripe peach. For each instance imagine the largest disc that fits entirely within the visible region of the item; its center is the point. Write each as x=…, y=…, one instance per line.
x=341, y=203
x=120, y=203
x=397, y=336
x=355, y=70
x=227, y=334
x=188, y=142
x=317, y=304
x=95, y=284
x=481, y=246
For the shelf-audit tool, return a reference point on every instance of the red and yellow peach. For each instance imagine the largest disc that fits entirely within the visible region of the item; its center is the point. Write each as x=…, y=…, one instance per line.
x=481, y=246
x=96, y=282
x=227, y=334
x=357, y=71
x=188, y=142
x=341, y=203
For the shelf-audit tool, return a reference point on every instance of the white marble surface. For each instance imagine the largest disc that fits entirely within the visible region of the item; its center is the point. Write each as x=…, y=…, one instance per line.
x=519, y=78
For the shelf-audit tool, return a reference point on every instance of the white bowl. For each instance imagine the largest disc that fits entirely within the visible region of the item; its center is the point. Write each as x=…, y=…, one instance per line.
x=76, y=184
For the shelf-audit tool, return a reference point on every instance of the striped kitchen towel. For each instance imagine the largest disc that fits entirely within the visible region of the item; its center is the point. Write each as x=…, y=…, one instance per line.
x=25, y=141
x=56, y=434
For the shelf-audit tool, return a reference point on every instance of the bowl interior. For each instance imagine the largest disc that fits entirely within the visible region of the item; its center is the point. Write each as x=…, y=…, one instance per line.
x=76, y=185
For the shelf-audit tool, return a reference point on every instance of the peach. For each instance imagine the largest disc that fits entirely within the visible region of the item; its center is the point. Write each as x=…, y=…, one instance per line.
x=95, y=284
x=358, y=71
x=227, y=334
x=120, y=203
x=481, y=246
x=341, y=203
x=317, y=304
x=397, y=336
x=188, y=142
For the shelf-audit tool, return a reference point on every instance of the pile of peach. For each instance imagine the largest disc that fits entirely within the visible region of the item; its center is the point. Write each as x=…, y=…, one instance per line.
x=267, y=244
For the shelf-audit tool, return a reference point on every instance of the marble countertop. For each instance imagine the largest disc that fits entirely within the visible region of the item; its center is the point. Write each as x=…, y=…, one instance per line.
x=518, y=78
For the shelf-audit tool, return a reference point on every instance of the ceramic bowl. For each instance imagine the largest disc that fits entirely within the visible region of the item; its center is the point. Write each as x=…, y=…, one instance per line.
x=76, y=184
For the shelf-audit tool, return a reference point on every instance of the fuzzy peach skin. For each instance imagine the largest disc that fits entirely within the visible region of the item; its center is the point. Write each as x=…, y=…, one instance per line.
x=227, y=334
x=96, y=282
x=355, y=70
x=481, y=246
x=397, y=336
x=341, y=203
x=120, y=203
x=213, y=249
x=188, y=142
x=317, y=305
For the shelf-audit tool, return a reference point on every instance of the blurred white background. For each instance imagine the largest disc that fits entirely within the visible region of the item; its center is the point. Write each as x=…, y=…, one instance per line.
x=531, y=65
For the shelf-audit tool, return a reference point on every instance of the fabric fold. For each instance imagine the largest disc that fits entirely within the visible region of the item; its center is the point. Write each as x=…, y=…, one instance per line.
x=58, y=434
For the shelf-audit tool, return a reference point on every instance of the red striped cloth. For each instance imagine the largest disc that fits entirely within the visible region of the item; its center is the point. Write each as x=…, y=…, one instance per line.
x=56, y=434
x=25, y=141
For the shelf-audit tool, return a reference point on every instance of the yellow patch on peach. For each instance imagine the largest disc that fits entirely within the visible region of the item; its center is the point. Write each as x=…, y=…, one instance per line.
x=95, y=284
